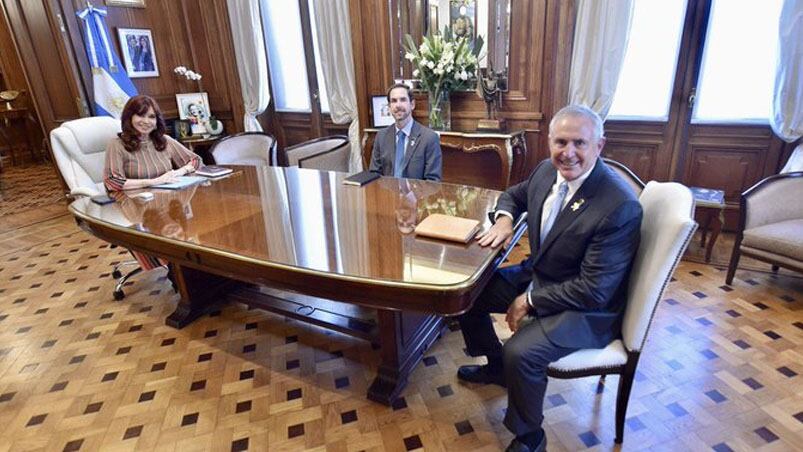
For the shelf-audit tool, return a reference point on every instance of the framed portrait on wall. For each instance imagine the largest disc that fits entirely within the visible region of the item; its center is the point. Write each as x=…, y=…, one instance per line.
x=381, y=111
x=139, y=52
x=463, y=17
x=194, y=107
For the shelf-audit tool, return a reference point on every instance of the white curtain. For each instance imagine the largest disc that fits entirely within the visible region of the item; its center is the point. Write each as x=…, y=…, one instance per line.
x=334, y=41
x=600, y=41
x=787, y=103
x=249, y=50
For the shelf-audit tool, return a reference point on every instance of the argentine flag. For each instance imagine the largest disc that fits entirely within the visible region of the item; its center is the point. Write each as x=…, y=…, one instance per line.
x=111, y=86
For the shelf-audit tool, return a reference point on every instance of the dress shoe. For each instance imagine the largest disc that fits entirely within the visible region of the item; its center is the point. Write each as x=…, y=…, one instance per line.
x=518, y=446
x=481, y=375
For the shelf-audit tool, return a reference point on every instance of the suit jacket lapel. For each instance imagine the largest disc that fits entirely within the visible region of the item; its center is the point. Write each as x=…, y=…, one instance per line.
x=412, y=143
x=574, y=208
x=390, y=146
x=542, y=189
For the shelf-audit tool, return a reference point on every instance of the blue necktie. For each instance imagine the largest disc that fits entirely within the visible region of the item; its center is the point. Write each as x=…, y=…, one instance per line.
x=557, y=205
x=397, y=163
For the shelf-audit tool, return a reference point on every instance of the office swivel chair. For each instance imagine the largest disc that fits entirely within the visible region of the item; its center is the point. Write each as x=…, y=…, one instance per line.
x=79, y=150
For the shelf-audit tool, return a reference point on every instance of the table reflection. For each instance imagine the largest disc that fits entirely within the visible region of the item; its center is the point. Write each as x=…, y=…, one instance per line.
x=310, y=220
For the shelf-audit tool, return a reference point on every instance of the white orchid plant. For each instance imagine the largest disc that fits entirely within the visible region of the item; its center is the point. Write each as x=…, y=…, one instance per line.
x=187, y=73
x=444, y=61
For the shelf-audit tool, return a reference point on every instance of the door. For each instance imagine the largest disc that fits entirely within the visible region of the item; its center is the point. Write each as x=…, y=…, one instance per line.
x=704, y=147
x=299, y=109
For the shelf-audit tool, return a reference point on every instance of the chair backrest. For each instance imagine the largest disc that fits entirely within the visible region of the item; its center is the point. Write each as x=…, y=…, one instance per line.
x=328, y=153
x=629, y=176
x=795, y=162
x=79, y=148
x=666, y=229
x=246, y=148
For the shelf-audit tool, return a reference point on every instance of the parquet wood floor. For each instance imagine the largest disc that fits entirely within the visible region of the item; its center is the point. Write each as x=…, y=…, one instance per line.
x=79, y=371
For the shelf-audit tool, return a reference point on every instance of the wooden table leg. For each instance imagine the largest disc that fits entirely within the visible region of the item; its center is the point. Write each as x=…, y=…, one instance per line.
x=200, y=293
x=715, y=230
x=404, y=337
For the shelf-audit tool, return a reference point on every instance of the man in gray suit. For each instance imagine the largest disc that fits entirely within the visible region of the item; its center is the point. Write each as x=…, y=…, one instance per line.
x=408, y=149
x=583, y=227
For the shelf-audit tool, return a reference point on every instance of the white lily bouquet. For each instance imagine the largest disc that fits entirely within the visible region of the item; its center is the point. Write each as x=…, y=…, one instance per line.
x=443, y=63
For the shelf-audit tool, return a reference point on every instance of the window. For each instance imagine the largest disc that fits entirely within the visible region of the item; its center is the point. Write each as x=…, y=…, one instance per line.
x=738, y=68
x=285, y=45
x=645, y=84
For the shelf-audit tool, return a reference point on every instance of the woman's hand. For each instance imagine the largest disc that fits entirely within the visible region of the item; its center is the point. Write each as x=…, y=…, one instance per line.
x=166, y=178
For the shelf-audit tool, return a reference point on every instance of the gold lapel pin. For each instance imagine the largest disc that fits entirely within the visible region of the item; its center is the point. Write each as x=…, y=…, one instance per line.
x=577, y=204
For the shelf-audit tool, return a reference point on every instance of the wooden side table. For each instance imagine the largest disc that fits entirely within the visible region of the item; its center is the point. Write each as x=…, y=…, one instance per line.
x=200, y=144
x=10, y=122
x=711, y=204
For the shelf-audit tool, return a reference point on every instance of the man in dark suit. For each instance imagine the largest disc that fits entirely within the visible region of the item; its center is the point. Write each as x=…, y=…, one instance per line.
x=583, y=227
x=408, y=149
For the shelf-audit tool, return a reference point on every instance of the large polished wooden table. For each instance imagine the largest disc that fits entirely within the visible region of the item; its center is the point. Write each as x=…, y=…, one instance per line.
x=300, y=242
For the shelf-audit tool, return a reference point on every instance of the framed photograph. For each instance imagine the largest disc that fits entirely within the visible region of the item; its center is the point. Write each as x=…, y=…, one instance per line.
x=381, y=110
x=126, y=3
x=194, y=107
x=463, y=17
x=181, y=129
x=139, y=53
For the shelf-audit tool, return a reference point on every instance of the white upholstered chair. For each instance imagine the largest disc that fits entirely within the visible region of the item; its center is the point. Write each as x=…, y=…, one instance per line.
x=629, y=176
x=771, y=224
x=247, y=148
x=79, y=150
x=327, y=153
x=666, y=229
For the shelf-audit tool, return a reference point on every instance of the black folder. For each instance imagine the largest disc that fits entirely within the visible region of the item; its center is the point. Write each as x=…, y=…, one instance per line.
x=361, y=178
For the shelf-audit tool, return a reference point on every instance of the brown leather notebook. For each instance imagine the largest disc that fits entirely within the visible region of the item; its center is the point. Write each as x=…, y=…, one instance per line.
x=447, y=227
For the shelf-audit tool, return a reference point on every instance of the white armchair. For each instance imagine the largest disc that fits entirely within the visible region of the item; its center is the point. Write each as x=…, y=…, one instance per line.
x=327, y=153
x=79, y=148
x=246, y=148
x=666, y=229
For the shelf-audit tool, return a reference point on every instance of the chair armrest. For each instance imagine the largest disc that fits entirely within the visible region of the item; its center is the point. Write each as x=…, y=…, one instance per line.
x=83, y=191
x=773, y=199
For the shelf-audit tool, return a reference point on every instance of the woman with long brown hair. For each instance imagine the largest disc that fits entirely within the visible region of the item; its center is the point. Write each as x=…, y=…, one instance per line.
x=142, y=155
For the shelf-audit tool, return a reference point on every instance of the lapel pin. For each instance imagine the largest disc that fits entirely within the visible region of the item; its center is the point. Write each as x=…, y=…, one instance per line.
x=577, y=204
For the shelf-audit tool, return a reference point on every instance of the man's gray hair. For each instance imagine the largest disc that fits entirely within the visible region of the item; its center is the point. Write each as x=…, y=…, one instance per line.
x=582, y=111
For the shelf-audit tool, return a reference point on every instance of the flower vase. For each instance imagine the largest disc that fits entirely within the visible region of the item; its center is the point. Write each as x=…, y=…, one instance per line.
x=440, y=110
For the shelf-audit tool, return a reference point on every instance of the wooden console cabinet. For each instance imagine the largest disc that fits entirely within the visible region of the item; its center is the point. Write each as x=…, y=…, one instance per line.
x=489, y=160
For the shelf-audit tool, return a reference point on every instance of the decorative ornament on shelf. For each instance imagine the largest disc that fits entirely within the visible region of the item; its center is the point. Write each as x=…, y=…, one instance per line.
x=187, y=73
x=213, y=126
x=444, y=62
x=490, y=90
x=9, y=96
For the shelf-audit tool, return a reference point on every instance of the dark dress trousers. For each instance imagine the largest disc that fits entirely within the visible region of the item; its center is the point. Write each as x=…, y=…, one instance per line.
x=579, y=275
x=422, y=154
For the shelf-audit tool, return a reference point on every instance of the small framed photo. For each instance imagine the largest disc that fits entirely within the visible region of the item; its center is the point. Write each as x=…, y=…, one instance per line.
x=381, y=111
x=194, y=107
x=139, y=53
x=126, y=3
x=182, y=129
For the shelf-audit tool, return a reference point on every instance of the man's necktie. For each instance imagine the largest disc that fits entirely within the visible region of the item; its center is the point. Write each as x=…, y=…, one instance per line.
x=397, y=163
x=557, y=205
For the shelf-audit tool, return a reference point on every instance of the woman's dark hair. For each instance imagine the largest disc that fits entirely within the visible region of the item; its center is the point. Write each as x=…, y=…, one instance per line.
x=139, y=105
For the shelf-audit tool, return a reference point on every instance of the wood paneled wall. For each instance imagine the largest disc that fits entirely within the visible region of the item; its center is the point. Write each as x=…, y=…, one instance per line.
x=540, y=53
x=13, y=75
x=190, y=33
